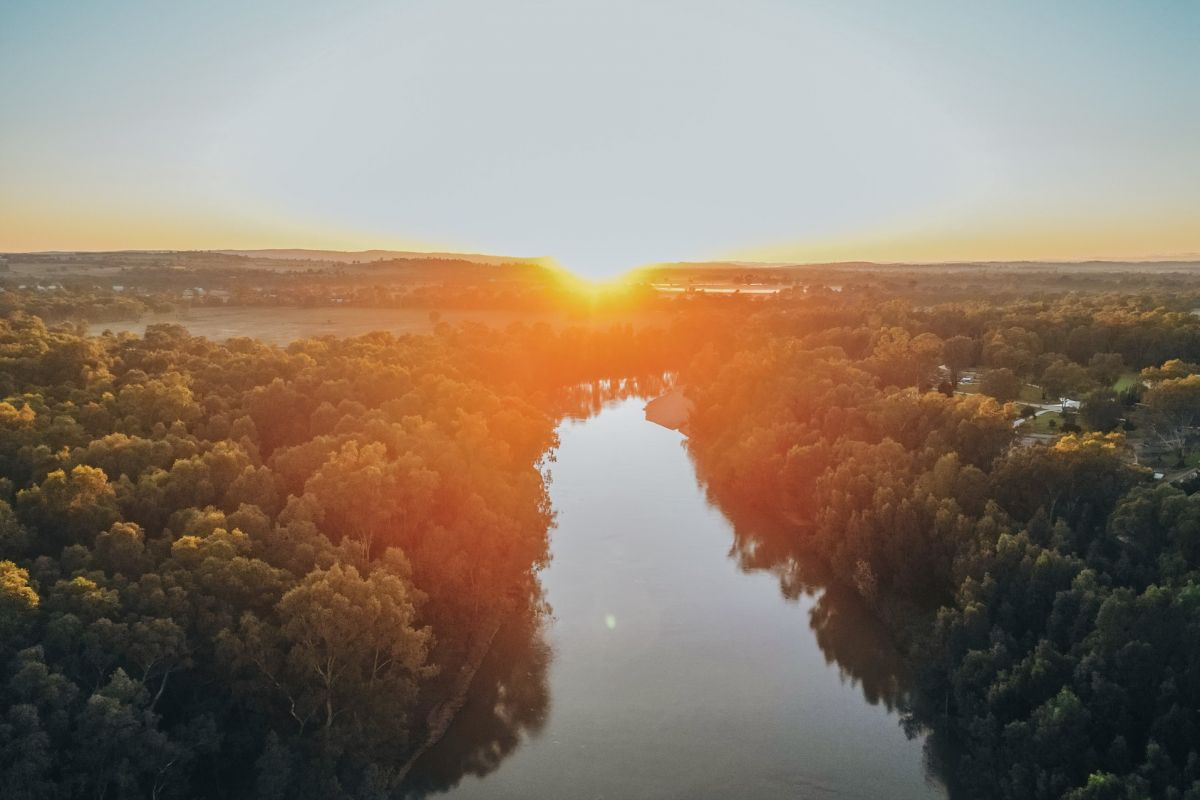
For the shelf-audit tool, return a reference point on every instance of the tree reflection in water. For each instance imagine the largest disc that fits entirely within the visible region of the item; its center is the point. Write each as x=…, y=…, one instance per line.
x=851, y=637
x=583, y=400
x=508, y=702
x=854, y=639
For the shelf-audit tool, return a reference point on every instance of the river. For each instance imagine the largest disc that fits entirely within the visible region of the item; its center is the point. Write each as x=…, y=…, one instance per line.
x=665, y=670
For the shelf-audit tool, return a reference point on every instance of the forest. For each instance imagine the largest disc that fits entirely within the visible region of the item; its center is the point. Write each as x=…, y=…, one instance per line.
x=234, y=569
x=1045, y=592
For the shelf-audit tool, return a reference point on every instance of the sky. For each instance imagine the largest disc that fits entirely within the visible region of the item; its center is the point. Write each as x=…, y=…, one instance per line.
x=605, y=134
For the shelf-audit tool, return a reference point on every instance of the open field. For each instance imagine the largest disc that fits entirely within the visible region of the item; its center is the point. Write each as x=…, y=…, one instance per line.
x=1126, y=381
x=281, y=325
x=1029, y=392
x=1041, y=423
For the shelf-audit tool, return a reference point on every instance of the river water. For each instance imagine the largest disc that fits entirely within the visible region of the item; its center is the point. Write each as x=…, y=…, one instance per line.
x=665, y=670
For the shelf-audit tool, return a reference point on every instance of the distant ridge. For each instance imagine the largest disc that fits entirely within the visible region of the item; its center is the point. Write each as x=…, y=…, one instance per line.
x=1165, y=262
x=349, y=256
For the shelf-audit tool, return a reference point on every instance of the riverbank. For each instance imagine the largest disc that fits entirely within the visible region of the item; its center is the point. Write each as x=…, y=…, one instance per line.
x=443, y=713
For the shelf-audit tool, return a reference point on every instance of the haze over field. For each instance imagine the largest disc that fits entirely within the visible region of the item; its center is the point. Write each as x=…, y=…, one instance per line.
x=605, y=134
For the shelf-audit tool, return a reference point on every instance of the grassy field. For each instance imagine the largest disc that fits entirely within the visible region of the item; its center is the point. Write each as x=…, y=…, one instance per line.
x=1041, y=424
x=1127, y=380
x=1029, y=392
x=281, y=325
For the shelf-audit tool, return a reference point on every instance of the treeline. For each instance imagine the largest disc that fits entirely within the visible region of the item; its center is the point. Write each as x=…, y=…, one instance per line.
x=238, y=570
x=83, y=304
x=1047, y=596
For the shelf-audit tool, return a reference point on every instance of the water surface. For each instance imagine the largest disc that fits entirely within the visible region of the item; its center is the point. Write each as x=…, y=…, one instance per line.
x=665, y=670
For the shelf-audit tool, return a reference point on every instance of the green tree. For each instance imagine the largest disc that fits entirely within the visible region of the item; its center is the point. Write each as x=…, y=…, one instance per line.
x=1102, y=410
x=1106, y=368
x=1001, y=384
x=958, y=353
x=18, y=604
x=1173, y=411
x=120, y=749
x=399, y=494
x=346, y=658
x=68, y=508
x=1063, y=379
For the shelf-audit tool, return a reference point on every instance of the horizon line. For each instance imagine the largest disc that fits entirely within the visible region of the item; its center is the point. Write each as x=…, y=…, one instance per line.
x=1181, y=258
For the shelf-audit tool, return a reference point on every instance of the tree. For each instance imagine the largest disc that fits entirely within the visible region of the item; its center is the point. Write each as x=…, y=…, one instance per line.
x=900, y=359
x=158, y=400
x=959, y=352
x=275, y=769
x=18, y=603
x=1079, y=478
x=40, y=703
x=1102, y=410
x=68, y=508
x=1106, y=368
x=120, y=748
x=15, y=539
x=1013, y=348
x=1107, y=786
x=346, y=657
x=121, y=550
x=1001, y=384
x=398, y=492
x=1173, y=410
x=1173, y=368
x=1062, y=379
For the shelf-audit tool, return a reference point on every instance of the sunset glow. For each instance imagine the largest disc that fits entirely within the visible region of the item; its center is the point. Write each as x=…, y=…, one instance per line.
x=604, y=135
x=639, y=399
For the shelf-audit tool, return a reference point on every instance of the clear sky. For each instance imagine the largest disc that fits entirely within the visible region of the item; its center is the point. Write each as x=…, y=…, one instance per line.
x=605, y=134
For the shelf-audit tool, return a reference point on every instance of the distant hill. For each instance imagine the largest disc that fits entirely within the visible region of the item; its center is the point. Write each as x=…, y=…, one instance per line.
x=350, y=256
x=704, y=267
